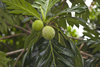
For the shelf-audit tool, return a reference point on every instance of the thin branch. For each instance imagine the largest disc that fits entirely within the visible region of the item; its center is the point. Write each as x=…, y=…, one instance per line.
x=18, y=27
x=18, y=58
x=22, y=29
x=89, y=55
x=81, y=46
x=14, y=52
x=75, y=38
x=20, y=50
x=63, y=5
x=13, y=36
x=31, y=21
x=28, y=27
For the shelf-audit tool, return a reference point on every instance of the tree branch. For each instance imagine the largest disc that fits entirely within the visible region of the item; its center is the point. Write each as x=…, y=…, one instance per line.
x=22, y=29
x=13, y=36
x=18, y=57
x=81, y=46
x=75, y=38
x=63, y=5
x=31, y=21
x=18, y=27
x=20, y=50
x=16, y=51
x=89, y=55
x=28, y=27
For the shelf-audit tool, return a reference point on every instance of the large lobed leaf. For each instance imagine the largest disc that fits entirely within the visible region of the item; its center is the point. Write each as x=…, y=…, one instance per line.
x=44, y=6
x=21, y=7
x=77, y=9
x=51, y=53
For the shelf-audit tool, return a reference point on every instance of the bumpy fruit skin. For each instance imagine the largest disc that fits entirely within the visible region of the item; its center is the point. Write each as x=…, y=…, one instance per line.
x=37, y=25
x=48, y=32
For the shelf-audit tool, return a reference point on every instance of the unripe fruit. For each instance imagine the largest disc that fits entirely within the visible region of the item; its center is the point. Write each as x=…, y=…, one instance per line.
x=37, y=25
x=48, y=32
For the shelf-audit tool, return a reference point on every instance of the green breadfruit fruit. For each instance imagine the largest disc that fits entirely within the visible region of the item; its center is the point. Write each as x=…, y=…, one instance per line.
x=48, y=32
x=37, y=25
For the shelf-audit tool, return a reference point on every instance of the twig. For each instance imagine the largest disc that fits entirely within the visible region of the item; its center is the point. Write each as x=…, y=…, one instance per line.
x=31, y=21
x=28, y=27
x=18, y=57
x=18, y=27
x=89, y=55
x=14, y=52
x=75, y=38
x=63, y=5
x=81, y=46
x=20, y=50
x=22, y=29
x=13, y=36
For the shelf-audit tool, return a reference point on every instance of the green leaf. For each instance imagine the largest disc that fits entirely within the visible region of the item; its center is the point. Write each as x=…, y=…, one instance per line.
x=45, y=5
x=7, y=17
x=3, y=59
x=2, y=6
x=96, y=49
x=93, y=61
x=75, y=50
x=33, y=41
x=52, y=53
x=73, y=47
x=76, y=21
x=61, y=39
x=3, y=64
x=4, y=25
x=77, y=9
x=62, y=23
x=84, y=15
x=76, y=2
x=30, y=42
x=58, y=7
x=24, y=57
x=97, y=1
x=29, y=38
x=21, y=6
x=1, y=29
x=17, y=19
x=17, y=11
x=27, y=19
x=2, y=54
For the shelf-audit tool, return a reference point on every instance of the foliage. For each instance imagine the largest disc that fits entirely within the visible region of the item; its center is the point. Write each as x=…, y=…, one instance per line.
x=92, y=62
x=52, y=53
x=16, y=19
x=3, y=59
x=93, y=28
